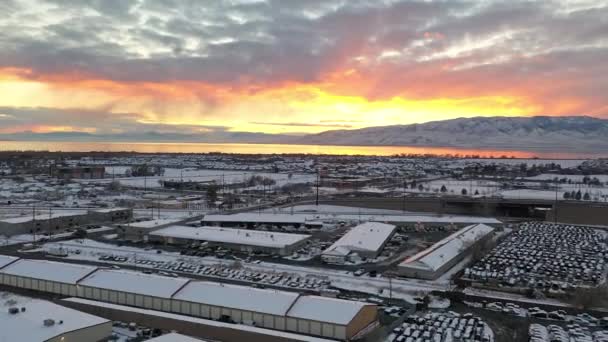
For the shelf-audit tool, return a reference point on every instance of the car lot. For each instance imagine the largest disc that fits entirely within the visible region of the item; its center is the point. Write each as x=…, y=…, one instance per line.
x=570, y=333
x=442, y=327
x=545, y=256
x=234, y=272
x=558, y=316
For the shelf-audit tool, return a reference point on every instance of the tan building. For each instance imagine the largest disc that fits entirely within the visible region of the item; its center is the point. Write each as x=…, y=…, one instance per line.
x=270, y=309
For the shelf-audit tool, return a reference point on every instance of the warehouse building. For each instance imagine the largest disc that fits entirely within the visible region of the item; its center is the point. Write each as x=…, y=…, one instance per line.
x=252, y=220
x=432, y=262
x=270, y=309
x=110, y=214
x=236, y=239
x=30, y=319
x=365, y=240
x=87, y=172
x=138, y=231
x=42, y=222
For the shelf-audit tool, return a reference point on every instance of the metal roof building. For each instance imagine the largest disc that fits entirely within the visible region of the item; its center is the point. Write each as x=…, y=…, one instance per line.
x=271, y=309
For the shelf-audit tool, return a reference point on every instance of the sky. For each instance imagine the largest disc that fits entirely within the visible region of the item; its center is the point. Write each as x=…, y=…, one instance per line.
x=294, y=66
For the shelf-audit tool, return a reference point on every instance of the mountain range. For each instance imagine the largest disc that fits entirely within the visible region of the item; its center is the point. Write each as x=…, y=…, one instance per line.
x=579, y=133
x=566, y=133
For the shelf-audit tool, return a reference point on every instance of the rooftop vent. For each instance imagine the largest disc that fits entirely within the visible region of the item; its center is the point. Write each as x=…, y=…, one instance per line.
x=49, y=322
x=13, y=310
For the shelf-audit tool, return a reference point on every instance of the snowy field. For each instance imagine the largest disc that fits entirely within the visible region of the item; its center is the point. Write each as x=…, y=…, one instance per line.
x=197, y=175
x=454, y=187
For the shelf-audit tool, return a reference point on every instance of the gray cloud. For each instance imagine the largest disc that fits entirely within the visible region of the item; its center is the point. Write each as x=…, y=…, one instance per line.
x=466, y=47
x=301, y=124
x=104, y=122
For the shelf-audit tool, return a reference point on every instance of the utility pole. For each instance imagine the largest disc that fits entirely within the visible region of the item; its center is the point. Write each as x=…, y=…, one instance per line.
x=555, y=205
x=50, y=227
x=34, y=222
x=318, y=181
x=404, y=187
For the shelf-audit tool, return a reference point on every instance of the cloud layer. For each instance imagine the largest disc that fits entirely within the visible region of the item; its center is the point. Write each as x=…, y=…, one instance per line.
x=290, y=65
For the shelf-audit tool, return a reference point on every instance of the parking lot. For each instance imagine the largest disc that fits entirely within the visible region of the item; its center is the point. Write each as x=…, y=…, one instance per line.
x=442, y=327
x=572, y=332
x=545, y=256
x=234, y=272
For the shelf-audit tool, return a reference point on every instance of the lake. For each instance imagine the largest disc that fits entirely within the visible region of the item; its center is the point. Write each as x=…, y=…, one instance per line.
x=181, y=147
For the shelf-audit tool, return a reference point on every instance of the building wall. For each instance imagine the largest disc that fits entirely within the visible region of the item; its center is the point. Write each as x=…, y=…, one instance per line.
x=224, y=333
x=432, y=275
x=301, y=326
x=43, y=225
x=366, y=316
x=96, y=333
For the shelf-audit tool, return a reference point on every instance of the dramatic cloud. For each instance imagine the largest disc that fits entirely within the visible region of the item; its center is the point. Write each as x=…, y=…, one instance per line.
x=284, y=65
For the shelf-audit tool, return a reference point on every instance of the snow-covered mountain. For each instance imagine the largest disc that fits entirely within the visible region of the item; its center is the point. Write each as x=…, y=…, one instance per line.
x=580, y=133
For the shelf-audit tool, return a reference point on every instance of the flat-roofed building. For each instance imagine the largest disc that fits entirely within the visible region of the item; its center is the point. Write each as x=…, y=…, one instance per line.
x=264, y=308
x=251, y=220
x=43, y=222
x=138, y=231
x=236, y=239
x=29, y=319
x=45, y=276
x=366, y=240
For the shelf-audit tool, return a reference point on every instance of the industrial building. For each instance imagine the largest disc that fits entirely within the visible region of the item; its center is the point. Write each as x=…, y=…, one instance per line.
x=110, y=214
x=432, y=262
x=42, y=222
x=270, y=309
x=236, y=239
x=89, y=172
x=365, y=240
x=54, y=221
x=138, y=231
x=174, y=337
x=252, y=220
x=28, y=319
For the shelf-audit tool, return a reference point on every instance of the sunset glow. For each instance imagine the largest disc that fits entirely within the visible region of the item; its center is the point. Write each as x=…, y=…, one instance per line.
x=334, y=74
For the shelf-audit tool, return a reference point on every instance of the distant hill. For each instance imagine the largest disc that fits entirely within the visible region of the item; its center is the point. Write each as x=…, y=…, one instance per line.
x=538, y=133
x=579, y=133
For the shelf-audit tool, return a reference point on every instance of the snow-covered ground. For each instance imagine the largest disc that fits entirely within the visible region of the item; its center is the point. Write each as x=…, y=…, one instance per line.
x=402, y=288
x=200, y=175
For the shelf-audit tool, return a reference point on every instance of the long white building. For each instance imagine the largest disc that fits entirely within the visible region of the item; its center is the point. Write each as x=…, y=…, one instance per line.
x=366, y=240
x=238, y=239
x=432, y=262
x=271, y=309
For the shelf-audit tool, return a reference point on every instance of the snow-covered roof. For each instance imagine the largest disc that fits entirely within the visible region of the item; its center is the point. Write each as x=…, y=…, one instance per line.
x=134, y=282
x=242, y=327
x=41, y=216
x=6, y=259
x=238, y=297
x=48, y=270
x=28, y=325
x=324, y=309
x=256, y=218
x=107, y=210
x=368, y=237
x=231, y=235
x=174, y=337
x=447, y=249
x=154, y=223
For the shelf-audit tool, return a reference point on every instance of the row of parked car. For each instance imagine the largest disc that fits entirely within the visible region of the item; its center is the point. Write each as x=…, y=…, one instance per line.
x=237, y=273
x=442, y=327
x=571, y=333
x=545, y=256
